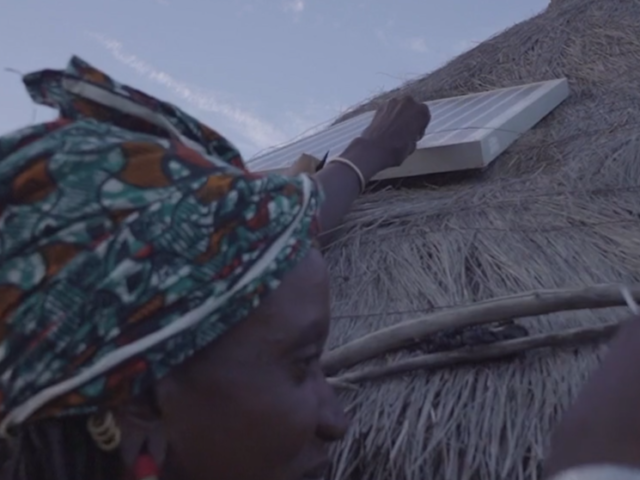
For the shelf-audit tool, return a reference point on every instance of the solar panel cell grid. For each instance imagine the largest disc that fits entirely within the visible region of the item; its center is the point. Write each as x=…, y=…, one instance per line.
x=456, y=123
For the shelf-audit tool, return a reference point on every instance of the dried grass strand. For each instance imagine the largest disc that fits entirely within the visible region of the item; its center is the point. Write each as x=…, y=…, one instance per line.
x=558, y=210
x=527, y=304
x=463, y=356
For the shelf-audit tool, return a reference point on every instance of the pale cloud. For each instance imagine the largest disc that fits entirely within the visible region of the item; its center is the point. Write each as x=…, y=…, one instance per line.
x=311, y=118
x=259, y=132
x=382, y=33
x=295, y=6
x=382, y=36
x=463, y=46
x=416, y=44
x=247, y=10
x=388, y=36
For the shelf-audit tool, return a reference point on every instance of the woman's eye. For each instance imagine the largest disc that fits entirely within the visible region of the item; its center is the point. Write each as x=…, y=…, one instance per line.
x=305, y=367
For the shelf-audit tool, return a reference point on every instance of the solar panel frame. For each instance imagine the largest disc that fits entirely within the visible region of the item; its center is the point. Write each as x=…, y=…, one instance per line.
x=466, y=132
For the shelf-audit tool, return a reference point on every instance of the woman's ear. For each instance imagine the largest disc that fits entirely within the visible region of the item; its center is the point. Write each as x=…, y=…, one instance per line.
x=141, y=426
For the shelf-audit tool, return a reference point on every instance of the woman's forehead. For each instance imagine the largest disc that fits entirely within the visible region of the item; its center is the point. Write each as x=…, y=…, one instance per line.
x=298, y=311
x=296, y=314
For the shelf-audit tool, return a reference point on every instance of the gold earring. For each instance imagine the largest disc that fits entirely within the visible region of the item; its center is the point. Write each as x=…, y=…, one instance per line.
x=104, y=431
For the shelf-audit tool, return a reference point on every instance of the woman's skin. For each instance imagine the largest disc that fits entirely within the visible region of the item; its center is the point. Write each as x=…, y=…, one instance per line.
x=256, y=404
x=603, y=425
x=386, y=142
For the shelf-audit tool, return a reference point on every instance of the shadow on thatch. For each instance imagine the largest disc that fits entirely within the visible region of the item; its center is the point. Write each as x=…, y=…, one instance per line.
x=558, y=209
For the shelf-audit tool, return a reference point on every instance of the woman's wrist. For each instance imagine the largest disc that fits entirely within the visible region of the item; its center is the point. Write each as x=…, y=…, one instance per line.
x=369, y=157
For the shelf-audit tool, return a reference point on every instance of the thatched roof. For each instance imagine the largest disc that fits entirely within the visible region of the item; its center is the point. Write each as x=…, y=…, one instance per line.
x=559, y=209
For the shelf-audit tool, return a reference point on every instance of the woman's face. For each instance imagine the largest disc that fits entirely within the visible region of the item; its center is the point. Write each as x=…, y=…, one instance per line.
x=257, y=405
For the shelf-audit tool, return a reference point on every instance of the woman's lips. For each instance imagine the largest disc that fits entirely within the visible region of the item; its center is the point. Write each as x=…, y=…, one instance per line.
x=319, y=472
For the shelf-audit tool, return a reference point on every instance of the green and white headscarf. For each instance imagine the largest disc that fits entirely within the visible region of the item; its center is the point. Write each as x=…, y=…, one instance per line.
x=131, y=236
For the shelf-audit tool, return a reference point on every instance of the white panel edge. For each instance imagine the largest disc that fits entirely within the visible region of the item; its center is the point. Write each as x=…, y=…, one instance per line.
x=477, y=151
x=511, y=127
x=450, y=158
x=559, y=88
x=258, y=158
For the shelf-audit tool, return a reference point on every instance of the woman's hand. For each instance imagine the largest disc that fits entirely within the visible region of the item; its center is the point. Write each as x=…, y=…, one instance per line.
x=396, y=129
x=603, y=425
x=391, y=137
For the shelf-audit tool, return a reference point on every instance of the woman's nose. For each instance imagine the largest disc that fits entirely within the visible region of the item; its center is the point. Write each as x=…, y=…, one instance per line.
x=334, y=423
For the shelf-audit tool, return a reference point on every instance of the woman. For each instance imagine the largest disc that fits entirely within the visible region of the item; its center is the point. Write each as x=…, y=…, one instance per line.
x=162, y=309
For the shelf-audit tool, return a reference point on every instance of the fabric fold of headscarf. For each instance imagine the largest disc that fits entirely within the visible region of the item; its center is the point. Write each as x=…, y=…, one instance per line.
x=131, y=236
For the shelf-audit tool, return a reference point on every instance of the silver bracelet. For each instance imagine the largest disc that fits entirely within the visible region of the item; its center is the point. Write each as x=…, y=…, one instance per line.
x=356, y=170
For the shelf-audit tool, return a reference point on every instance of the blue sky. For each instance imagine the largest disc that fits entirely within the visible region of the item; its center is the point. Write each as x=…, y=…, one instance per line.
x=259, y=71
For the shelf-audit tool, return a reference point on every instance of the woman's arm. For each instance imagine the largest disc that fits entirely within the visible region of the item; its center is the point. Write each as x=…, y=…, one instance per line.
x=341, y=184
x=390, y=138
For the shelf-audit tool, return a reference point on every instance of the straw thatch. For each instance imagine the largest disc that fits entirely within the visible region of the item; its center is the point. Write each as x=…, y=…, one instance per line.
x=559, y=209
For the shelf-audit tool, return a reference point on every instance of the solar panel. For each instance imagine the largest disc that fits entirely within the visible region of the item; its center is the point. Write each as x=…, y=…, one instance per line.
x=465, y=132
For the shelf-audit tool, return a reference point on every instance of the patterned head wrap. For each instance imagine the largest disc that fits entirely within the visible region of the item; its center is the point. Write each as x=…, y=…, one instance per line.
x=131, y=236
